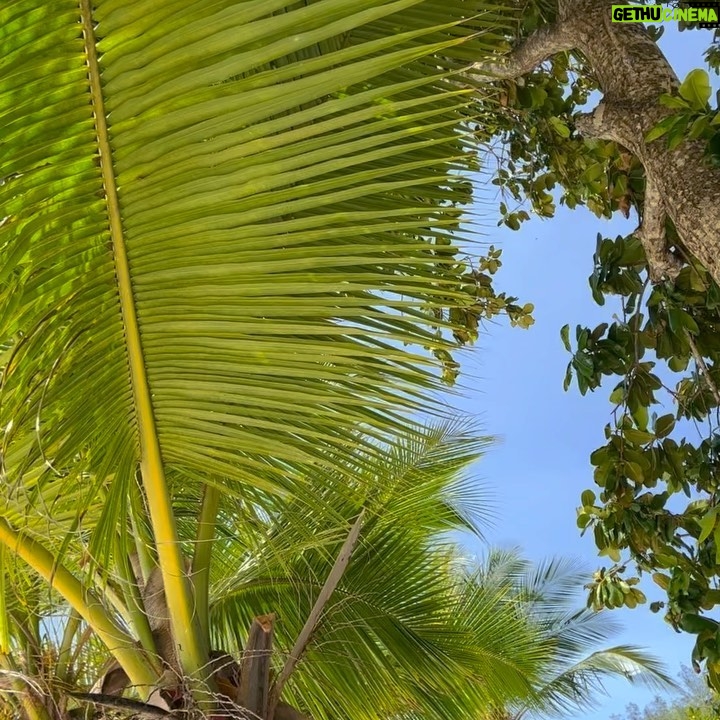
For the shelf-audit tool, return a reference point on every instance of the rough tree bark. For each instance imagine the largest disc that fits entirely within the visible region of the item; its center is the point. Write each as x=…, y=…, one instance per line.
x=632, y=73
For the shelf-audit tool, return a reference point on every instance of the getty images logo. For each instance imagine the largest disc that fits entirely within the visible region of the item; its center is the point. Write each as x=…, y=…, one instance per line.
x=703, y=12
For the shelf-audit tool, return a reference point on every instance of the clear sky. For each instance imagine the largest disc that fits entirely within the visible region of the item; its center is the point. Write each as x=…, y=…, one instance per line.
x=513, y=382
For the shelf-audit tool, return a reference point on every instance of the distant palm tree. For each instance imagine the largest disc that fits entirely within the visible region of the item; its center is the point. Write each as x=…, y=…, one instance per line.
x=577, y=665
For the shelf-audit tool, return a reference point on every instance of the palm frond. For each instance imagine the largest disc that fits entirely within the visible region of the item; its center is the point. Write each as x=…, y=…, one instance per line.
x=575, y=686
x=572, y=670
x=282, y=171
x=226, y=245
x=397, y=625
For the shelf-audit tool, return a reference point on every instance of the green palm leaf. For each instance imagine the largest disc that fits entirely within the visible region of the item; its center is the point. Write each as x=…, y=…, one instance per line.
x=274, y=264
x=226, y=232
x=573, y=670
x=397, y=635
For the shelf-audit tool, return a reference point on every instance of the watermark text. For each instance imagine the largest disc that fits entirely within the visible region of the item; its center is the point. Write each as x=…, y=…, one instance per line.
x=706, y=14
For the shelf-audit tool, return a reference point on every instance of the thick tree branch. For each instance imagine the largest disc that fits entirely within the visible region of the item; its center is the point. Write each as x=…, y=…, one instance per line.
x=602, y=123
x=540, y=46
x=632, y=74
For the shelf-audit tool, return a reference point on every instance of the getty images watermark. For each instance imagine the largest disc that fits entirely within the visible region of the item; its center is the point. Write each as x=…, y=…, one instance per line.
x=706, y=14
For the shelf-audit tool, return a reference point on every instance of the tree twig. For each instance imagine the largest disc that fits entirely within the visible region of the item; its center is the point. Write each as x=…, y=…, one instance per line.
x=139, y=710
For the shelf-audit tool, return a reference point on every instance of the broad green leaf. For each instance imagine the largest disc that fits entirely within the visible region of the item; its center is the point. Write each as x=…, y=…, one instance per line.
x=696, y=89
x=538, y=95
x=673, y=102
x=638, y=437
x=679, y=321
x=584, y=365
x=640, y=416
x=661, y=580
x=707, y=524
x=662, y=128
x=678, y=133
x=634, y=472
x=565, y=337
x=595, y=171
x=698, y=127
x=664, y=425
x=599, y=456
x=694, y=623
x=617, y=395
x=559, y=127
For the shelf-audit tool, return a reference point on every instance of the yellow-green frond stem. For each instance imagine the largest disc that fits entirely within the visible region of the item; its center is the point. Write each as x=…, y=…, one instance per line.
x=192, y=654
x=133, y=600
x=119, y=643
x=4, y=619
x=141, y=542
x=72, y=625
x=203, y=556
x=32, y=707
x=22, y=695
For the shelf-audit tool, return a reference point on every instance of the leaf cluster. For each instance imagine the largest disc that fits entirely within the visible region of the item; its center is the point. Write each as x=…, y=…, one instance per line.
x=693, y=118
x=657, y=472
x=666, y=354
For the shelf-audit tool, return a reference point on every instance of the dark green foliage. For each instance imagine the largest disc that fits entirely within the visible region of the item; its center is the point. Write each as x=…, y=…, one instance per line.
x=693, y=118
x=657, y=507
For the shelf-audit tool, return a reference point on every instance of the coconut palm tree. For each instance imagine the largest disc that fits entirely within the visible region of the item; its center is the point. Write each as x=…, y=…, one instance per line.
x=393, y=635
x=576, y=668
x=228, y=263
x=405, y=633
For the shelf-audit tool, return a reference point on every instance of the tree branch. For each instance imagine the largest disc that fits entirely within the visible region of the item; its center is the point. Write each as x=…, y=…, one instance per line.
x=139, y=710
x=540, y=46
x=311, y=623
x=597, y=124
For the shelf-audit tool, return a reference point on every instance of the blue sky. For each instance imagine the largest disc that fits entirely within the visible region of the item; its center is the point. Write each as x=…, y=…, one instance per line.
x=513, y=382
